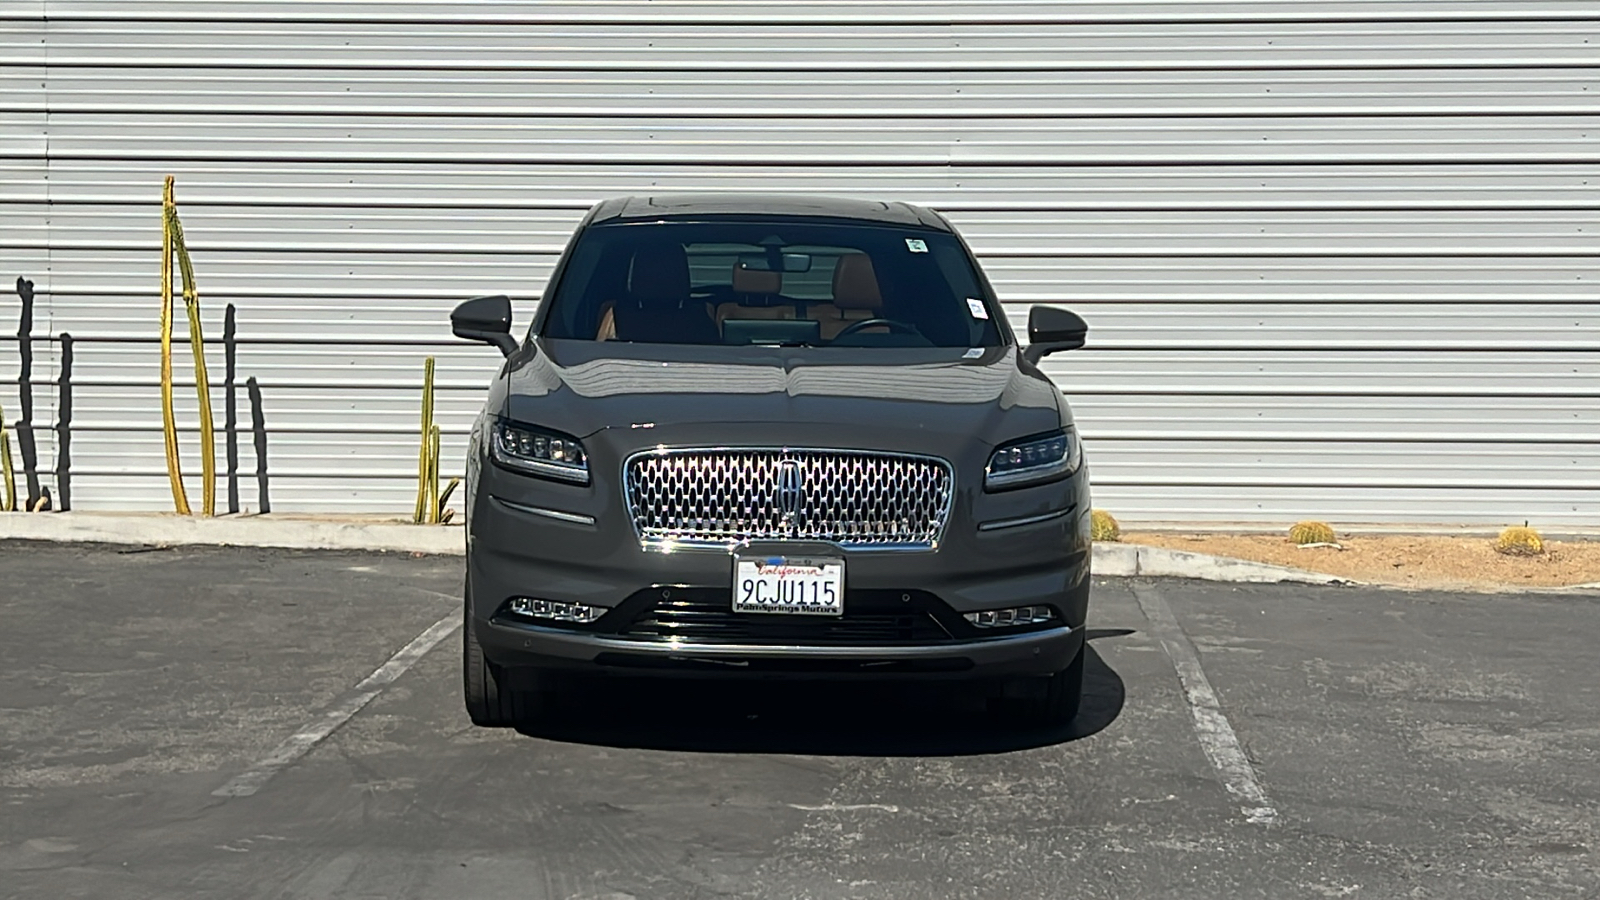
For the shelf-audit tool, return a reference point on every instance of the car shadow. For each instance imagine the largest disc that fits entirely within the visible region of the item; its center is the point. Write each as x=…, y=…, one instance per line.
x=816, y=718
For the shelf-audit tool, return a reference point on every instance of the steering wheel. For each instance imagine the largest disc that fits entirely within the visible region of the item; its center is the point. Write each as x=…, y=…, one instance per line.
x=891, y=324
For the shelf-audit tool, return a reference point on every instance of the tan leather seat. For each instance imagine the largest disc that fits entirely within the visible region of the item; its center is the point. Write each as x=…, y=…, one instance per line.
x=856, y=296
x=755, y=282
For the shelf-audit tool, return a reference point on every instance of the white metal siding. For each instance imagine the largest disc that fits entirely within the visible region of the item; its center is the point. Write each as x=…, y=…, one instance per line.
x=1339, y=258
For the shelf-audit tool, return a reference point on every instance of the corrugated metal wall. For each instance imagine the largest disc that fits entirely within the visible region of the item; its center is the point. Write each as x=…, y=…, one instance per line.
x=1340, y=258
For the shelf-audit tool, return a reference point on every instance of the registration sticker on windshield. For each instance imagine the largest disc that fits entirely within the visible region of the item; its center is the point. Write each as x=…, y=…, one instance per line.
x=978, y=310
x=916, y=245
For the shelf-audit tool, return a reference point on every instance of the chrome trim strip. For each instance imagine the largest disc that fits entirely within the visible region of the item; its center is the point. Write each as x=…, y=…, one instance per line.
x=998, y=524
x=558, y=515
x=667, y=546
x=539, y=468
x=1041, y=474
x=655, y=545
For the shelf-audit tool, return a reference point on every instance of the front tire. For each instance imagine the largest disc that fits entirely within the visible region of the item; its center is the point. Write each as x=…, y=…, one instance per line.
x=490, y=701
x=1064, y=697
x=1057, y=704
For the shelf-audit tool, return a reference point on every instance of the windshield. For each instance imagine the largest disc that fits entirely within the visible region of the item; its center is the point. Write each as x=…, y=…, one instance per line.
x=775, y=282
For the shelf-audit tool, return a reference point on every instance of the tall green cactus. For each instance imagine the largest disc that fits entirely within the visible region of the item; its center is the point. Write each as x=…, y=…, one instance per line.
x=427, y=455
x=169, y=424
x=8, y=503
x=172, y=245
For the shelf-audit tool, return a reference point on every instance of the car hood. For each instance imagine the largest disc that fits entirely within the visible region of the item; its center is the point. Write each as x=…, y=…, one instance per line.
x=844, y=397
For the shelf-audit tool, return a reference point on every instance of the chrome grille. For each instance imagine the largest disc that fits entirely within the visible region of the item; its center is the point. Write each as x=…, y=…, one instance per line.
x=857, y=499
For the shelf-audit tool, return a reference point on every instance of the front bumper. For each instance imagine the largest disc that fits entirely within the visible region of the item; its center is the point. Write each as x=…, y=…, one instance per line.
x=515, y=645
x=591, y=555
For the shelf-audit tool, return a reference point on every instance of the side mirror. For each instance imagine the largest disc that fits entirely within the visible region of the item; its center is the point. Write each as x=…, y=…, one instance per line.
x=486, y=319
x=1052, y=329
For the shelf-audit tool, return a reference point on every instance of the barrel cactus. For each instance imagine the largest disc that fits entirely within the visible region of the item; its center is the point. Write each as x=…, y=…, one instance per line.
x=1304, y=533
x=1102, y=527
x=1519, y=540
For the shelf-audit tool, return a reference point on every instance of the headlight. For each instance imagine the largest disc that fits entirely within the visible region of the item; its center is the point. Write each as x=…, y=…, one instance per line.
x=1034, y=460
x=539, y=452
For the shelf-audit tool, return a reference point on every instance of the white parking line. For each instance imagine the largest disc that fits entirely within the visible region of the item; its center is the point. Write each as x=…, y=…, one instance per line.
x=299, y=743
x=1211, y=726
x=845, y=807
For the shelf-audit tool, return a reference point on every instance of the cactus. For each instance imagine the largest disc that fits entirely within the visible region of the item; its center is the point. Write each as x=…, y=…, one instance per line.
x=427, y=456
x=202, y=378
x=180, y=499
x=1303, y=533
x=8, y=502
x=443, y=513
x=1102, y=527
x=173, y=247
x=433, y=471
x=1519, y=540
x=431, y=501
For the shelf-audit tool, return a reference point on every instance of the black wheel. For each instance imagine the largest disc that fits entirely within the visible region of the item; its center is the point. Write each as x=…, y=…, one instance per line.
x=1056, y=704
x=491, y=701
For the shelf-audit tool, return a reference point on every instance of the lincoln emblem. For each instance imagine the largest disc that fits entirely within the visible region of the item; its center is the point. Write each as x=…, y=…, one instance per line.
x=791, y=490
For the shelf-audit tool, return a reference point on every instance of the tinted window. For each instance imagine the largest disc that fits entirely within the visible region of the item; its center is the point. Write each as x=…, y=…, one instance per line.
x=780, y=282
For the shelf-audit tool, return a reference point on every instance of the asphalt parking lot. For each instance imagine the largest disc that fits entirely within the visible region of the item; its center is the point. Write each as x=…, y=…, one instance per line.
x=1361, y=743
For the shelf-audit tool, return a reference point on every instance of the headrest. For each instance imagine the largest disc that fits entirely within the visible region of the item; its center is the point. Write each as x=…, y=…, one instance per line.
x=855, y=284
x=756, y=281
x=660, y=275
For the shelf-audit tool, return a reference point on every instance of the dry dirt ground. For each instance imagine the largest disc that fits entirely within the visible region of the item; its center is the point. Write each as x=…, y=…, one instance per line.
x=1415, y=561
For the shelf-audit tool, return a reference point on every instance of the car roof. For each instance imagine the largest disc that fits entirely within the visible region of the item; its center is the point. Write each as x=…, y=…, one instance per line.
x=697, y=206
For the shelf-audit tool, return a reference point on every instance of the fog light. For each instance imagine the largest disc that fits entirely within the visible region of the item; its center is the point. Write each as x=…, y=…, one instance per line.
x=1010, y=618
x=556, y=610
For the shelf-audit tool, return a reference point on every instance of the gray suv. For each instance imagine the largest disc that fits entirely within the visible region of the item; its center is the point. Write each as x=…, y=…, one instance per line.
x=773, y=437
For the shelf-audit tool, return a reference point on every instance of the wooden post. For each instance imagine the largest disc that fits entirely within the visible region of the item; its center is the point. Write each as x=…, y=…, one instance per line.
x=64, y=425
x=230, y=406
x=258, y=425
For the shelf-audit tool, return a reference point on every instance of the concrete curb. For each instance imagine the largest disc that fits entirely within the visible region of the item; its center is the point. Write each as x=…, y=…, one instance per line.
x=354, y=533
x=447, y=540
x=1158, y=562
x=237, y=531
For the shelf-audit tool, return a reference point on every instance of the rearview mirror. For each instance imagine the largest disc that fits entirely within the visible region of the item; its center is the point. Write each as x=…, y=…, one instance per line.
x=787, y=262
x=1052, y=329
x=486, y=319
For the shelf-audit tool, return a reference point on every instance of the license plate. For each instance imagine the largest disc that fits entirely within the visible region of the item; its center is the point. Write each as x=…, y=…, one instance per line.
x=807, y=586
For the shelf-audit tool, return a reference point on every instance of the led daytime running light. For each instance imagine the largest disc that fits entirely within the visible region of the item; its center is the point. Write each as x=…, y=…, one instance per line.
x=554, y=610
x=1010, y=618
